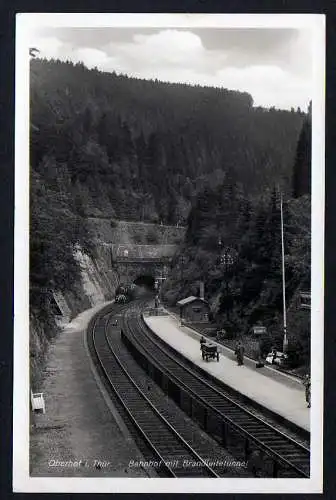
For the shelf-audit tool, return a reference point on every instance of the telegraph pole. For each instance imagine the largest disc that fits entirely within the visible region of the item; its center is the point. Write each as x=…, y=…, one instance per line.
x=285, y=340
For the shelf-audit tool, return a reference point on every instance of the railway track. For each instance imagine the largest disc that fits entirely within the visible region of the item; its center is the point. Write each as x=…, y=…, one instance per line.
x=288, y=457
x=172, y=453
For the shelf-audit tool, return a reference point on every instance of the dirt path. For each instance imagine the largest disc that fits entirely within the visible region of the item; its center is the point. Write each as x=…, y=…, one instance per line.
x=78, y=431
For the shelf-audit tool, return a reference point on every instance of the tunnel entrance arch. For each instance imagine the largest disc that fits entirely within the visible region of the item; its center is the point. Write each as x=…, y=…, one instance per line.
x=138, y=264
x=145, y=281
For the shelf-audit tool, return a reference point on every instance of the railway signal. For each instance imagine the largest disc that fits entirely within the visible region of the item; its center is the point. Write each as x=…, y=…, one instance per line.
x=227, y=258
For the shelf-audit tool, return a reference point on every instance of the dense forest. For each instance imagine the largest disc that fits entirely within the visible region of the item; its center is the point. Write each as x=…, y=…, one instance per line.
x=135, y=146
x=104, y=144
x=233, y=245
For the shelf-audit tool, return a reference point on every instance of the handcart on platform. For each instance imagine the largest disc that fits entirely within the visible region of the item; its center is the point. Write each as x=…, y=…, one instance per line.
x=209, y=351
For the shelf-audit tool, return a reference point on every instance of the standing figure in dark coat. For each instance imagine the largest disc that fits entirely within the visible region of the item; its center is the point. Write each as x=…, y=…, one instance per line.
x=202, y=341
x=254, y=463
x=307, y=384
x=240, y=353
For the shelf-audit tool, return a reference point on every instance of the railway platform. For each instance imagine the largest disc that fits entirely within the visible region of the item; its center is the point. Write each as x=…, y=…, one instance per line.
x=280, y=393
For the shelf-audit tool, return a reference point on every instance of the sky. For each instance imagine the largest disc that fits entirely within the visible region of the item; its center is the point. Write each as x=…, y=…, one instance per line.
x=274, y=65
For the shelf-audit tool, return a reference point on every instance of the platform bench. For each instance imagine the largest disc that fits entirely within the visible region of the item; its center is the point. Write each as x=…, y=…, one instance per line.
x=37, y=401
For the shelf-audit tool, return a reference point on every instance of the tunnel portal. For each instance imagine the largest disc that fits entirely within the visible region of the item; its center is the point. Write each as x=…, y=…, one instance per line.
x=145, y=281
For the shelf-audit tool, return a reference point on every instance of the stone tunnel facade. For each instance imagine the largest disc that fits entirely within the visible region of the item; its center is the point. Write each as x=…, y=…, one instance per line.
x=128, y=272
x=126, y=263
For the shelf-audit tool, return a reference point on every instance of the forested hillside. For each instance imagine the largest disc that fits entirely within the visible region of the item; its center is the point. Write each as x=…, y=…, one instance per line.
x=105, y=145
x=233, y=245
x=142, y=149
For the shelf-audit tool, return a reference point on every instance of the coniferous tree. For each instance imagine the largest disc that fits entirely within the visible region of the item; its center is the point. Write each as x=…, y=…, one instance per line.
x=150, y=150
x=302, y=165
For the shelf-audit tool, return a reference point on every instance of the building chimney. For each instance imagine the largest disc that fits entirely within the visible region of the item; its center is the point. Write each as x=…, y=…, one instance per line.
x=201, y=292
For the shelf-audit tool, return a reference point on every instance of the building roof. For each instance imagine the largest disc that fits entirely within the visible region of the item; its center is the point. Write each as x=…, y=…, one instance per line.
x=190, y=299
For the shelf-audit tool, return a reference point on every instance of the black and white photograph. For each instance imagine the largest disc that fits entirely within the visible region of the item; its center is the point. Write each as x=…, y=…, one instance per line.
x=169, y=240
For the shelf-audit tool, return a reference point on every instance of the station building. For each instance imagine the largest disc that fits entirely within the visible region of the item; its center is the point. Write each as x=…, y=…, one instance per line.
x=194, y=309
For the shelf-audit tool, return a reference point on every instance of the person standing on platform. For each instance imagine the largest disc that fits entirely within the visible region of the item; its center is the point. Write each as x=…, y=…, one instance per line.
x=202, y=341
x=307, y=384
x=254, y=463
x=259, y=363
x=156, y=304
x=240, y=353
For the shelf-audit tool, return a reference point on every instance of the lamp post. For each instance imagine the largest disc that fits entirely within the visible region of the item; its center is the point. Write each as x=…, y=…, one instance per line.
x=182, y=262
x=159, y=281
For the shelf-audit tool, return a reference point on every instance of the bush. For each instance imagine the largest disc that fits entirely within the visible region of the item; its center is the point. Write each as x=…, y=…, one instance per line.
x=152, y=237
x=138, y=237
x=295, y=354
x=230, y=334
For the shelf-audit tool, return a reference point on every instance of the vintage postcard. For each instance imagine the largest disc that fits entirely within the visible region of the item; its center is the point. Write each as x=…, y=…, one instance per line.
x=169, y=242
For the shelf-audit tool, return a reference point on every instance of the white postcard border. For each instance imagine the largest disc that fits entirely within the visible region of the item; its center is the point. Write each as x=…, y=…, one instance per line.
x=22, y=482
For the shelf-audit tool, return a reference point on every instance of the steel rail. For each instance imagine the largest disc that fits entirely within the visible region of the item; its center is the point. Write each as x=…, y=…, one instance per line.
x=156, y=411
x=260, y=444
x=205, y=470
